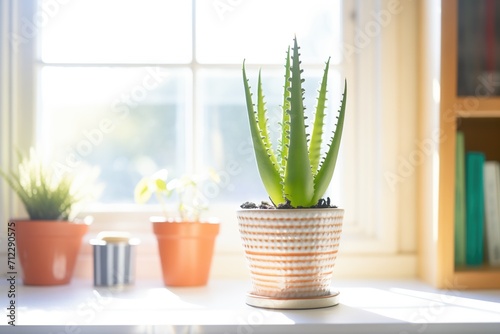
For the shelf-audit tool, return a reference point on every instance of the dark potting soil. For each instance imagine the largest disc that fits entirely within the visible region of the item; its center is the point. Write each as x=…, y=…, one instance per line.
x=322, y=203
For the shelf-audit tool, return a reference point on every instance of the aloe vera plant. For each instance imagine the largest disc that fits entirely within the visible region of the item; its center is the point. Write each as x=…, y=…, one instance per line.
x=297, y=173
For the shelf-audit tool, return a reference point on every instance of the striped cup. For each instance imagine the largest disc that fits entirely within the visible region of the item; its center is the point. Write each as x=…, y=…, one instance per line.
x=114, y=258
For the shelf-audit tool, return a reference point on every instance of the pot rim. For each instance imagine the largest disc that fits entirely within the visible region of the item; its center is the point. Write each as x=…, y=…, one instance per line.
x=290, y=209
x=166, y=220
x=48, y=221
x=88, y=220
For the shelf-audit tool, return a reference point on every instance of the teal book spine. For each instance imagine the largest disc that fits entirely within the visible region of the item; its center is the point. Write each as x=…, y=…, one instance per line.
x=460, y=212
x=474, y=195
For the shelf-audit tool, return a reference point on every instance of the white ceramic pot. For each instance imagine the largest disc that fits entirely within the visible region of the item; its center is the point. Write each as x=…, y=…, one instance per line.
x=291, y=254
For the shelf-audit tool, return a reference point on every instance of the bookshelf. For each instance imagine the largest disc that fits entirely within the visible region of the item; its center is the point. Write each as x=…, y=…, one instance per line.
x=475, y=112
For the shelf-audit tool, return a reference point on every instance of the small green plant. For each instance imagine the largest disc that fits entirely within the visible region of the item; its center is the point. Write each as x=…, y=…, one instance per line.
x=297, y=175
x=44, y=194
x=192, y=203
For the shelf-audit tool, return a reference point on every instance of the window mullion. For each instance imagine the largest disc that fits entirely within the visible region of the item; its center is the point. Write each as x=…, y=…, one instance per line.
x=194, y=125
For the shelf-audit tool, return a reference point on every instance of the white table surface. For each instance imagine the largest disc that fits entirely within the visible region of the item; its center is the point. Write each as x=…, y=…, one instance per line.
x=150, y=307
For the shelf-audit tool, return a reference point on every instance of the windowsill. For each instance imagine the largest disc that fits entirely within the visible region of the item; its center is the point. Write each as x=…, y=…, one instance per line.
x=359, y=255
x=148, y=306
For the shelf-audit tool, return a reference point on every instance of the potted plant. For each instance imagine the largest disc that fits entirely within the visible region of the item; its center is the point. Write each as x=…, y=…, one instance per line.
x=291, y=244
x=186, y=242
x=48, y=242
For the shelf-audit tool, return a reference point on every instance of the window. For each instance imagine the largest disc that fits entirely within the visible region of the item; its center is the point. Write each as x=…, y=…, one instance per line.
x=159, y=84
x=134, y=86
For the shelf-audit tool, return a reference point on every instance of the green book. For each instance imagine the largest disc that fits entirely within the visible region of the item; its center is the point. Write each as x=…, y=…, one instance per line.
x=460, y=217
x=474, y=198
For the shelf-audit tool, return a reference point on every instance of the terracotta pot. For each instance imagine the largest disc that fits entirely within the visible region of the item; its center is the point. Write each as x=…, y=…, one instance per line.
x=47, y=250
x=186, y=251
x=291, y=254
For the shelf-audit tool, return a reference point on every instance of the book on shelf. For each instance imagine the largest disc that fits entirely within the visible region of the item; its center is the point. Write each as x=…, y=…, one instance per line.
x=460, y=229
x=474, y=199
x=492, y=211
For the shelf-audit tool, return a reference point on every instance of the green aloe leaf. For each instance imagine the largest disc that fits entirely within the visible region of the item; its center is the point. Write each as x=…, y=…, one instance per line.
x=285, y=122
x=262, y=122
x=319, y=116
x=299, y=181
x=267, y=169
x=325, y=173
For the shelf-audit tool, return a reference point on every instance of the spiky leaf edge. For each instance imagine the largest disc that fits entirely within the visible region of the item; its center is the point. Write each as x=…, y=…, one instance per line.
x=269, y=173
x=319, y=116
x=285, y=122
x=262, y=122
x=299, y=180
x=325, y=173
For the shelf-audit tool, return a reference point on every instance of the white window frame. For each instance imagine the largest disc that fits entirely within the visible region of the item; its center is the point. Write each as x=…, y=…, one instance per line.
x=385, y=230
